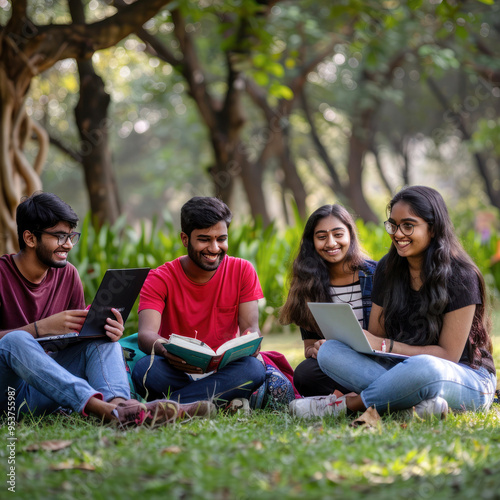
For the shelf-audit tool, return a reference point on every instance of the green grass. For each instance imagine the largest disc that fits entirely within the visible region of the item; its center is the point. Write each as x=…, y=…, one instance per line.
x=266, y=455
x=288, y=342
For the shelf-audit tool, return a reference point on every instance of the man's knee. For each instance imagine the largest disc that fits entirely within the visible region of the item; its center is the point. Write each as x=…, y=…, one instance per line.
x=14, y=339
x=254, y=368
x=106, y=347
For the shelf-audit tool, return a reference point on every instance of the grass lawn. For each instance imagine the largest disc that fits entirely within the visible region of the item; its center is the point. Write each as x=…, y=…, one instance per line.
x=264, y=455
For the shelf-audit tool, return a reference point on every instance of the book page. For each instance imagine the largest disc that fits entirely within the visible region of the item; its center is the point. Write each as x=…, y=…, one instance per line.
x=190, y=344
x=237, y=342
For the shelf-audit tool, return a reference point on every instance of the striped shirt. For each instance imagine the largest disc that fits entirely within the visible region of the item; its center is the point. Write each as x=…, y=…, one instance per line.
x=350, y=294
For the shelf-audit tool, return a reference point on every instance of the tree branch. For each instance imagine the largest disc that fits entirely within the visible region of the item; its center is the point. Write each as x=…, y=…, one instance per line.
x=380, y=170
x=80, y=41
x=258, y=96
x=188, y=66
x=157, y=48
x=74, y=155
x=43, y=145
x=192, y=71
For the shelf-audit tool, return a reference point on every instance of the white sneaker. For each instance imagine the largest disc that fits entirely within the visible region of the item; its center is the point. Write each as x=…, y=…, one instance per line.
x=429, y=407
x=239, y=405
x=317, y=406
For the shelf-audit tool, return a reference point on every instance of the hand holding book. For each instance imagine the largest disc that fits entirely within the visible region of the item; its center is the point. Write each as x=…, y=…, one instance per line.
x=178, y=363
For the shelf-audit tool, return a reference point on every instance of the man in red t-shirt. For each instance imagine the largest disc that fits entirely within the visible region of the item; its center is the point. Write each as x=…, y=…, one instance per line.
x=204, y=294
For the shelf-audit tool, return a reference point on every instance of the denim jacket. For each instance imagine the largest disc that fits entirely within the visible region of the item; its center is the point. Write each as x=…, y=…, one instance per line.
x=366, y=281
x=365, y=273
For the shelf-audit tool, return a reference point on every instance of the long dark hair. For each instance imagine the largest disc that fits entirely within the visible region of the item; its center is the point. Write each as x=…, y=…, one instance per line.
x=445, y=262
x=309, y=276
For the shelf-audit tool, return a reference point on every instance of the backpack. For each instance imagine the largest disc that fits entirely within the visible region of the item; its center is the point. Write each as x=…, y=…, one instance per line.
x=275, y=393
x=132, y=354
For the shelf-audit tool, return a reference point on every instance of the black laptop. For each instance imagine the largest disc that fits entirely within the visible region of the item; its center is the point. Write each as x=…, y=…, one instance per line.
x=119, y=289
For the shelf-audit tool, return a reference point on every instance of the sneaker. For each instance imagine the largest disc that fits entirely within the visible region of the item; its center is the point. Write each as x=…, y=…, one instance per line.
x=429, y=407
x=199, y=409
x=159, y=412
x=317, y=406
x=239, y=405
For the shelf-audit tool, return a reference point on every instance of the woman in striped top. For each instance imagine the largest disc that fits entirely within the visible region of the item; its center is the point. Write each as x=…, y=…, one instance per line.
x=330, y=267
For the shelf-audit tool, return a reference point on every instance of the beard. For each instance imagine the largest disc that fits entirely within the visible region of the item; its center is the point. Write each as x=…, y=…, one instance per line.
x=46, y=257
x=198, y=259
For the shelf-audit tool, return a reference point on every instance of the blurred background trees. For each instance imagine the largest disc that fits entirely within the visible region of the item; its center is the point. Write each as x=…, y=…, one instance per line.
x=270, y=104
x=27, y=49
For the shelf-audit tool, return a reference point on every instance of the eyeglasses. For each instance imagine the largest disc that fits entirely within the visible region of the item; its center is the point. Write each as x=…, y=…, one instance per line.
x=62, y=238
x=406, y=227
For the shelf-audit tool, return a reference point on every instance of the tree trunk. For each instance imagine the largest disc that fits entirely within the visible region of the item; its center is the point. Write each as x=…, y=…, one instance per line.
x=226, y=168
x=92, y=122
x=357, y=200
x=26, y=50
x=91, y=119
x=252, y=176
x=18, y=176
x=292, y=179
x=459, y=121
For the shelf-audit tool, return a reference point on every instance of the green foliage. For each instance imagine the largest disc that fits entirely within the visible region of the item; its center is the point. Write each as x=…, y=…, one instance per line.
x=483, y=253
x=443, y=59
x=485, y=138
x=121, y=246
x=374, y=239
x=271, y=250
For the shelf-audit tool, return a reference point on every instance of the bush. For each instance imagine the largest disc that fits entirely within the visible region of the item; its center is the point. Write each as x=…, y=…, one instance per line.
x=270, y=250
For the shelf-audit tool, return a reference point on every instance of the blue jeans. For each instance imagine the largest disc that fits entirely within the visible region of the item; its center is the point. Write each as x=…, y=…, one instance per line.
x=238, y=379
x=399, y=384
x=67, y=378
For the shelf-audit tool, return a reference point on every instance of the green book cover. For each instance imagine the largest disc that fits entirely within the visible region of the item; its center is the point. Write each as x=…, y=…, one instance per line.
x=197, y=353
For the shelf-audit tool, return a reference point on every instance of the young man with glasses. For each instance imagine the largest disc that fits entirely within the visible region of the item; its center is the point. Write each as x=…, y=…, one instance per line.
x=41, y=294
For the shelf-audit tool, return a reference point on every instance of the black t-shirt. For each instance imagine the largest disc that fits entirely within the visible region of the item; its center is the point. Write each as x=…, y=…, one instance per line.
x=463, y=290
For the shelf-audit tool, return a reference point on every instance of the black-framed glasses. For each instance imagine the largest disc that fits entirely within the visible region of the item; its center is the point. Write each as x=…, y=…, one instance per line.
x=406, y=228
x=62, y=238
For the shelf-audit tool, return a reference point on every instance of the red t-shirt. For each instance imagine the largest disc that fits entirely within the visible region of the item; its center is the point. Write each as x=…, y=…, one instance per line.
x=22, y=302
x=210, y=308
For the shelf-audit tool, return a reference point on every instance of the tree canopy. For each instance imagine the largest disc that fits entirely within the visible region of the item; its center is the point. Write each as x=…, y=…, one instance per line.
x=268, y=104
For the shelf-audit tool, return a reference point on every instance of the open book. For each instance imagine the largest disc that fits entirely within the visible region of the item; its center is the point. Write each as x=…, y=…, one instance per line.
x=197, y=353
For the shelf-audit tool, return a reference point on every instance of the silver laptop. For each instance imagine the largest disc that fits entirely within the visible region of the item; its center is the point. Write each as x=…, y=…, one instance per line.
x=338, y=322
x=119, y=289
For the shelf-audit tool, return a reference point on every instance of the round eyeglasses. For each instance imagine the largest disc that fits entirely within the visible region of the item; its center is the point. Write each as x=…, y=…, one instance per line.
x=62, y=238
x=406, y=228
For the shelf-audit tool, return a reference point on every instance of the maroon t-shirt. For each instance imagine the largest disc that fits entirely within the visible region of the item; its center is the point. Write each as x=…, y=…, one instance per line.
x=22, y=302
